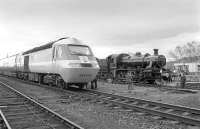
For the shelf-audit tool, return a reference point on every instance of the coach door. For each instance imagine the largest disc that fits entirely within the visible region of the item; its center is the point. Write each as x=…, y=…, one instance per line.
x=57, y=56
x=26, y=64
x=54, y=64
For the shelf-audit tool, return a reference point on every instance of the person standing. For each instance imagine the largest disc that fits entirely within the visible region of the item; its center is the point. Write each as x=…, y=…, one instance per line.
x=183, y=80
x=94, y=83
x=129, y=81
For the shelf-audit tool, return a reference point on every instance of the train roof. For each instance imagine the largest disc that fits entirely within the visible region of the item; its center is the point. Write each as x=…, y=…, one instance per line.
x=50, y=44
x=45, y=46
x=70, y=41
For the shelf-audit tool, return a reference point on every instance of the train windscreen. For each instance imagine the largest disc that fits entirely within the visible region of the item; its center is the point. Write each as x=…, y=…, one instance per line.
x=80, y=50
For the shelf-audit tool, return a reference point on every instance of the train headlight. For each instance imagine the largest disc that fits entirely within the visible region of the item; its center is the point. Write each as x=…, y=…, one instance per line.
x=75, y=65
x=96, y=65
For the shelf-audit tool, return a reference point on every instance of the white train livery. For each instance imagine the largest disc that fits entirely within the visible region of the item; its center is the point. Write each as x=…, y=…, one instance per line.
x=63, y=62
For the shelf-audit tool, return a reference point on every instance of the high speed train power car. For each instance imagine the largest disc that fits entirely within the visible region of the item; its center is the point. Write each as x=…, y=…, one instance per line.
x=63, y=62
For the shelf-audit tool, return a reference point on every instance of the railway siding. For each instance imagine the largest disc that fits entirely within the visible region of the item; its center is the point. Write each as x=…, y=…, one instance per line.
x=186, y=115
x=175, y=112
x=89, y=110
x=20, y=111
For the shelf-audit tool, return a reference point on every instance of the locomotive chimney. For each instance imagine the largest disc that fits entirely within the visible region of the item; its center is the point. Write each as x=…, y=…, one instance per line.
x=155, y=52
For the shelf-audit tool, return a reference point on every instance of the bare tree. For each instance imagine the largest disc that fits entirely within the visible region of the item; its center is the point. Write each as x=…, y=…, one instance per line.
x=190, y=50
x=172, y=54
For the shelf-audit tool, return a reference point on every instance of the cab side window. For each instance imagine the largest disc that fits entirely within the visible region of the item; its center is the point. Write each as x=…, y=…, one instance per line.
x=59, y=53
x=54, y=53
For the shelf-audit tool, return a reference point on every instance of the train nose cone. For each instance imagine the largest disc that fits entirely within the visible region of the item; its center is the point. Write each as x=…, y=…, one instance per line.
x=76, y=75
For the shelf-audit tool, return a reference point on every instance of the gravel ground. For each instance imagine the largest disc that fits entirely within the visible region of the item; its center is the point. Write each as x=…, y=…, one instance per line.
x=155, y=94
x=98, y=116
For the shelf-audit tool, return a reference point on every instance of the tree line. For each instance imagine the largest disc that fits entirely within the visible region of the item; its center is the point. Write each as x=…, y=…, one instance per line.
x=189, y=51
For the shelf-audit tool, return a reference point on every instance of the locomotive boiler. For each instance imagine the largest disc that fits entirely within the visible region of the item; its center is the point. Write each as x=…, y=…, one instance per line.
x=142, y=68
x=63, y=62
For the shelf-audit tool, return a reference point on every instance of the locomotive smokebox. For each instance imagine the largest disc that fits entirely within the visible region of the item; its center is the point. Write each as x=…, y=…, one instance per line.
x=155, y=52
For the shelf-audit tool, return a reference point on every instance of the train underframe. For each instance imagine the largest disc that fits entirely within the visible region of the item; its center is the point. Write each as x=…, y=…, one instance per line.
x=41, y=78
x=145, y=75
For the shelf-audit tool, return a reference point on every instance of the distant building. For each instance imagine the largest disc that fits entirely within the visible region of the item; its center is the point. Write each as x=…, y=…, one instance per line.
x=189, y=65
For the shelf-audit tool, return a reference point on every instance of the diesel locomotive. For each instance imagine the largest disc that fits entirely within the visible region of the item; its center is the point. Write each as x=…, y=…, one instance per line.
x=63, y=62
x=142, y=68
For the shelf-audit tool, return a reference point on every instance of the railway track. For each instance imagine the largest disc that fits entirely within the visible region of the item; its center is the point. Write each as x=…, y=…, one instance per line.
x=3, y=122
x=190, y=116
x=182, y=114
x=193, y=86
x=20, y=111
x=187, y=89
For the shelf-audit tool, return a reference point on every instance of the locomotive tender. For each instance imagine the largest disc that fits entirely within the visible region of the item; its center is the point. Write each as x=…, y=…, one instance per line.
x=62, y=62
x=141, y=68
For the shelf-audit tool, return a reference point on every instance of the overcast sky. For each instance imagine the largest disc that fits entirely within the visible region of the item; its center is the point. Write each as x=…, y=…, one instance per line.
x=108, y=26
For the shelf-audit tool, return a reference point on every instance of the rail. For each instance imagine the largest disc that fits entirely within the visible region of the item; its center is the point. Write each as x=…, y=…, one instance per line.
x=4, y=122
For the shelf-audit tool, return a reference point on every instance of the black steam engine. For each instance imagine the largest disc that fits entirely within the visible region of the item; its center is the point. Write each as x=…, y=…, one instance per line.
x=141, y=68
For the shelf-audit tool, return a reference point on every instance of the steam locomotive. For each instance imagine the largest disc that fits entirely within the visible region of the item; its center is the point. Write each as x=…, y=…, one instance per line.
x=141, y=68
x=64, y=62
